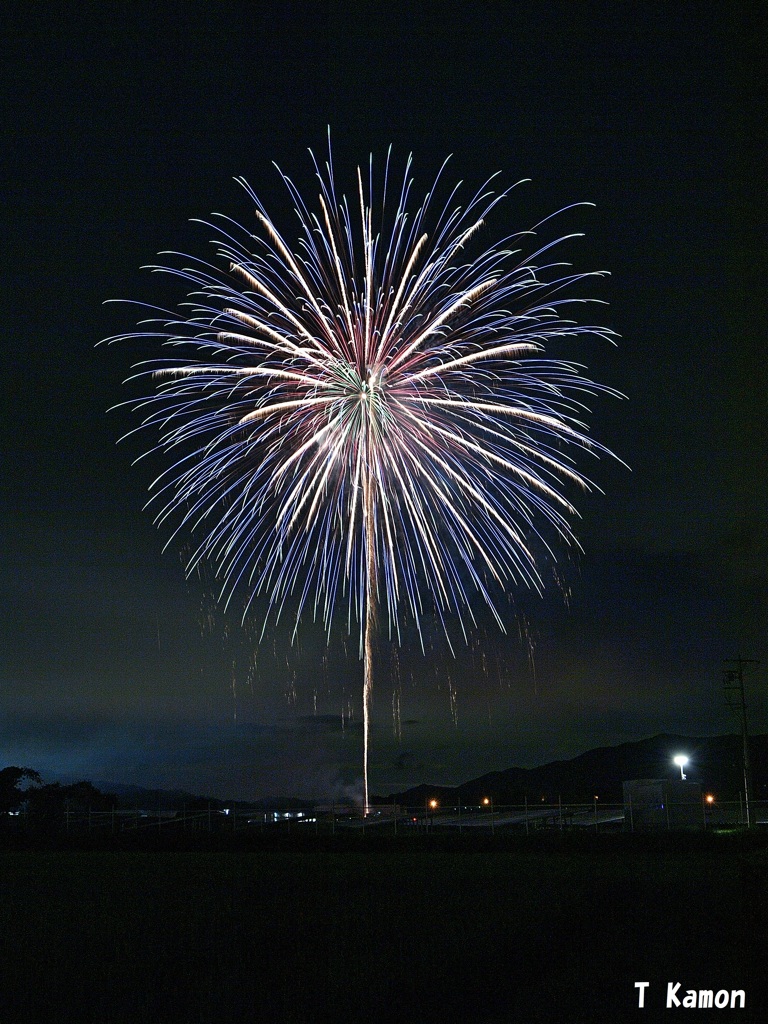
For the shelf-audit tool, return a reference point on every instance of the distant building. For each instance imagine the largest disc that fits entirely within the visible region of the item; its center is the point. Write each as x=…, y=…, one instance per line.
x=651, y=804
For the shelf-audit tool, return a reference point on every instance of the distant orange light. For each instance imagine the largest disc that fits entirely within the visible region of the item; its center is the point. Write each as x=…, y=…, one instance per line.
x=486, y=801
x=710, y=799
x=433, y=804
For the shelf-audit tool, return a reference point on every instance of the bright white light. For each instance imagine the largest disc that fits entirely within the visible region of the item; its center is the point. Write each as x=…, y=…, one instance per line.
x=681, y=761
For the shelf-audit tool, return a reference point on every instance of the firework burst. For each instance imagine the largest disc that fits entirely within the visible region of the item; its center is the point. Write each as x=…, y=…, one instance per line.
x=368, y=418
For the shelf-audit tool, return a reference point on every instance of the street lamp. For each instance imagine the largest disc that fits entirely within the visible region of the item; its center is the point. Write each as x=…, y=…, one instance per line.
x=488, y=802
x=681, y=761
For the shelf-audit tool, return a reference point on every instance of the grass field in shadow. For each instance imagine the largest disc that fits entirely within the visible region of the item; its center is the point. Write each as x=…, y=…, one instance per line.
x=356, y=930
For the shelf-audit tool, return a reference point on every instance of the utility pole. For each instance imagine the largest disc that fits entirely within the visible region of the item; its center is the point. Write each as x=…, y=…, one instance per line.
x=733, y=687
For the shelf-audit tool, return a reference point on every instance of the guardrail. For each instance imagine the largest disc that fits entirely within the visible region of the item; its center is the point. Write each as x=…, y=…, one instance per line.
x=435, y=816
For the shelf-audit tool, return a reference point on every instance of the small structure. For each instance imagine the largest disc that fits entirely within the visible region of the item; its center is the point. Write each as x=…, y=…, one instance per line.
x=651, y=804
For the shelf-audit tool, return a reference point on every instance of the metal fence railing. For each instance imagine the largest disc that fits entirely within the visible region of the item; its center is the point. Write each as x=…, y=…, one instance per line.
x=434, y=817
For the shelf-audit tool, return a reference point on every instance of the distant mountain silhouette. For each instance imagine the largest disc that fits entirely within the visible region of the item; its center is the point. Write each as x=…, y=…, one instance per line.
x=715, y=762
x=163, y=801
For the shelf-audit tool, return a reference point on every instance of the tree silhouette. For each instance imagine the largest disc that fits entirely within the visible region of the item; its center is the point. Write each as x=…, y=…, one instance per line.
x=11, y=796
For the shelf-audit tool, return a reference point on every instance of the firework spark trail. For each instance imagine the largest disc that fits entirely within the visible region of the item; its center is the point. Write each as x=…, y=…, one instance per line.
x=372, y=420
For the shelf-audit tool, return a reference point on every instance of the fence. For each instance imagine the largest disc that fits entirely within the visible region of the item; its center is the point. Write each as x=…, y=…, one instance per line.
x=434, y=817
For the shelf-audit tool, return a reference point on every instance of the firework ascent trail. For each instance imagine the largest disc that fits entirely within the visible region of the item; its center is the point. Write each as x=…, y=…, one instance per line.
x=369, y=418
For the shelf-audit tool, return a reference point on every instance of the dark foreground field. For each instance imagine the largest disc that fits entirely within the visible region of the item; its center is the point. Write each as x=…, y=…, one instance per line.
x=364, y=930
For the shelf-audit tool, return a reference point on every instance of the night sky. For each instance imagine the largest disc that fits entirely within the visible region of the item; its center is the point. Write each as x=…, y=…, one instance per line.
x=125, y=121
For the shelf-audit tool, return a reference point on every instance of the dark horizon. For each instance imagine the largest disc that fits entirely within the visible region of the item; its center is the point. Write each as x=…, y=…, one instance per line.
x=715, y=762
